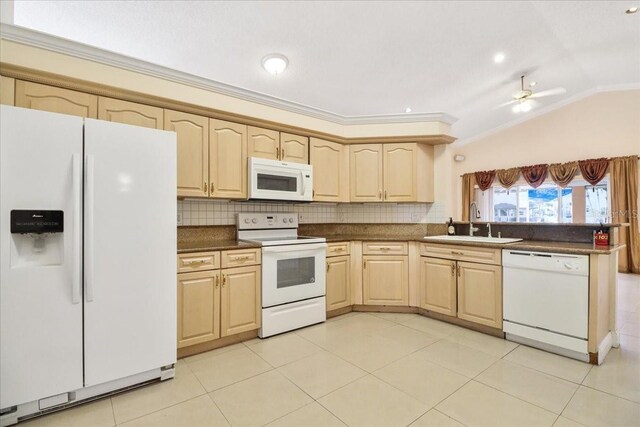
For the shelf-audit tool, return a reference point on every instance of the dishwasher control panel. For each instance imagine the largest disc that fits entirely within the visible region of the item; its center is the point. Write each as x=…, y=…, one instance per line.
x=546, y=261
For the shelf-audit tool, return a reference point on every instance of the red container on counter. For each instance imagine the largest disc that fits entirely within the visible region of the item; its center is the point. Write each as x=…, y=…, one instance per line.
x=601, y=238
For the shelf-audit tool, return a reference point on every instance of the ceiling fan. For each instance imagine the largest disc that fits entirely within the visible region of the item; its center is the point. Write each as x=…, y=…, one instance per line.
x=524, y=99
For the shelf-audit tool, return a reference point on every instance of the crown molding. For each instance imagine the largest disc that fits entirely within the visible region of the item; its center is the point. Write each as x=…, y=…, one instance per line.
x=537, y=113
x=72, y=48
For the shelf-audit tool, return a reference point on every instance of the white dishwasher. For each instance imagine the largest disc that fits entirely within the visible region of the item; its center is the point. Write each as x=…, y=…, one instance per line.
x=546, y=301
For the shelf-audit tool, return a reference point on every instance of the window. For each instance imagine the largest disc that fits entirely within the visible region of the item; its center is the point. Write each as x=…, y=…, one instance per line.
x=579, y=202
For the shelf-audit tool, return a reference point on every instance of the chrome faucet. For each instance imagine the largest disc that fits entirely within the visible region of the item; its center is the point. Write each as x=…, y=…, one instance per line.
x=489, y=232
x=473, y=212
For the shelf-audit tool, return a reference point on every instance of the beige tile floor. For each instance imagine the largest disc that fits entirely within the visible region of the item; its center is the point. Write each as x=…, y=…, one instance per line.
x=386, y=370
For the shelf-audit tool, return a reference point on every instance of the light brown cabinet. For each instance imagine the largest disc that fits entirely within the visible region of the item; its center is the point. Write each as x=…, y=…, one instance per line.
x=365, y=170
x=192, y=152
x=271, y=144
x=198, y=307
x=480, y=293
x=7, y=90
x=227, y=160
x=438, y=292
x=330, y=162
x=130, y=113
x=471, y=291
x=240, y=300
x=56, y=100
x=400, y=172
x=214, y=303
x=385, y=280
x=338, y=275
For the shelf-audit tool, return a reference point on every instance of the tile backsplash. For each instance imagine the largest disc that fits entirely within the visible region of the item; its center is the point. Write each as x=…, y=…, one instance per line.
x=221, y=212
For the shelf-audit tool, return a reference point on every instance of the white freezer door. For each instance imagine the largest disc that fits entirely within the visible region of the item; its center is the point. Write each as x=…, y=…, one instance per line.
x=40, y=300
x=130, y=250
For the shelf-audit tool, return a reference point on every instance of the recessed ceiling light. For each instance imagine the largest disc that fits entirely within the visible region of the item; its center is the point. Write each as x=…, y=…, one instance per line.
x=275, y=63
x=532, y=84
x=407, y=110
x=498, y=58
x=631, y=10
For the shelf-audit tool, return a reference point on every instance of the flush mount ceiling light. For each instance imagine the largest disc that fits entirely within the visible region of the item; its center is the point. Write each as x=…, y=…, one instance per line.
x=275, y=63
x=498, y=58
x=407, y=110
x=631, y=10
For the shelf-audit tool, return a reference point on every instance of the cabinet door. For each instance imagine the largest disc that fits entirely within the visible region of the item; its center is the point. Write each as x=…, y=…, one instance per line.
x=227, y=160
x=241, y=301
x=7, y=90
x=263, y=143
x=198, y=307
x=338, y=289
x=365, y=166
x=193, y=152
x=294, y=148
x=400, y=172
x=330, y=162
x=480, y=293
x=385, y=280
x=56, y=100
x=438, y=285
x=130, y=113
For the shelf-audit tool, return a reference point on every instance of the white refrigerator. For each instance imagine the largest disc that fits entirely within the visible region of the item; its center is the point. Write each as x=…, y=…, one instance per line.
x=87, y=259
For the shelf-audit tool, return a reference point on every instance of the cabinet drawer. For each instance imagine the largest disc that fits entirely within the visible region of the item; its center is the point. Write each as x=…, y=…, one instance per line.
x=241, y=257
x=385, y=248
x=462, y=253
x=198, y=261
x=337, y=248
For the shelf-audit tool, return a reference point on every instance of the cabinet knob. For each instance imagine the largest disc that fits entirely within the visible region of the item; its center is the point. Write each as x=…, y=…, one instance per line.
x=282, y=154
x=278, y=153
x=453, y=269
x=212, y=187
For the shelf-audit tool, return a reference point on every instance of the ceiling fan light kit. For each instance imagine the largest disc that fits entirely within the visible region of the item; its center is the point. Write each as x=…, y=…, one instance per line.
x=524, y=98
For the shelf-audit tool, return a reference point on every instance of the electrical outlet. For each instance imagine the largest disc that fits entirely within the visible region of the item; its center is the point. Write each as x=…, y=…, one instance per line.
x=179, y=218
x=300, y=217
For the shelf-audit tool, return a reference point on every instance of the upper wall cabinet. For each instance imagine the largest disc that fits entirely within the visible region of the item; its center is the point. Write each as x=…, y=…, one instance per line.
x=56, y=100
x=130, y=113
x=330, y=162
x=408, y=173
x=263, y=143
x=193, y=152
x=391, y=172
x=7, y=90
x=271, y=144
x=365, y=167
x=227, y=160
x=294, y=148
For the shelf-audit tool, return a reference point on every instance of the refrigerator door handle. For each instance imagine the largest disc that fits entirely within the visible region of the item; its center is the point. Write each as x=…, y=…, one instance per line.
x=77, y=232
x=88, y=228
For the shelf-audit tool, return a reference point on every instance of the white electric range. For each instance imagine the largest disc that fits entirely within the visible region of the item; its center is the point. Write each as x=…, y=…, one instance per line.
x=293, y=271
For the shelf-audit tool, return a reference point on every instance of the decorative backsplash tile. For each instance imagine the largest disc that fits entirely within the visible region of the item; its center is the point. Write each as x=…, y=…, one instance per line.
x=221, y=212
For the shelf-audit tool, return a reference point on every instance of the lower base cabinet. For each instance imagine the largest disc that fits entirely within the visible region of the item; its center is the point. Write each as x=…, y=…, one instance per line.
x=240, y=300
x=468, y=290
x=213, y=302
x=385, y=280
x=338, y=289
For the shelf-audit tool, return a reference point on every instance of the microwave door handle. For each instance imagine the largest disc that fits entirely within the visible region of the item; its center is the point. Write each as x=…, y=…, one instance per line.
x=302, y=180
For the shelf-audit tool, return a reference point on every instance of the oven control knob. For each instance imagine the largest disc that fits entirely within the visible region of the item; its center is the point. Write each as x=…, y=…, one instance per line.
x=254, y=220
x=284, y=219
x=247, y=220
x=290, y=219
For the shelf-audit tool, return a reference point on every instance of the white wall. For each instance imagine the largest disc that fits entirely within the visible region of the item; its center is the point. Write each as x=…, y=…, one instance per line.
x=606, y=124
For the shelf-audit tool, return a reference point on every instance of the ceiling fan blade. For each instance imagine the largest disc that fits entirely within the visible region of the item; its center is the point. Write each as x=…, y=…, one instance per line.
x=550, y=92
x=505, y=104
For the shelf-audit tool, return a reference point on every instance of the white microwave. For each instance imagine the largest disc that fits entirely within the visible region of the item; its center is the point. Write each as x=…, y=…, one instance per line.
x=277, y=180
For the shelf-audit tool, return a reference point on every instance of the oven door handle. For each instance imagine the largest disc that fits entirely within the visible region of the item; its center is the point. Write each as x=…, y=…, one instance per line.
x=294, y=248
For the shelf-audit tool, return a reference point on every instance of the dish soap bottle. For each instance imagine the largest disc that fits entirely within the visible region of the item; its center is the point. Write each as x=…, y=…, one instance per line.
x=451, y=230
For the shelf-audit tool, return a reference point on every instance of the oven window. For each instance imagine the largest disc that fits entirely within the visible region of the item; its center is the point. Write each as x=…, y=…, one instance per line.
x=296, y=271
x=277, y=182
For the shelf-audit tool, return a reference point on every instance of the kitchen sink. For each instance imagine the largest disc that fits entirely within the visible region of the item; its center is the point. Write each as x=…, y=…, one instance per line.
x=476, y=239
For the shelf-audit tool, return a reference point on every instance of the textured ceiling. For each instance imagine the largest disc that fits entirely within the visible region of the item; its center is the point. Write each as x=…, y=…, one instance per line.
x=370, y=58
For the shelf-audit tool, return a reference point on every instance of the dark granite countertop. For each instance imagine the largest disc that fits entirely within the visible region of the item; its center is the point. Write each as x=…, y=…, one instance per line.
x=213, y=245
